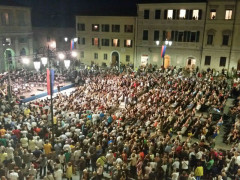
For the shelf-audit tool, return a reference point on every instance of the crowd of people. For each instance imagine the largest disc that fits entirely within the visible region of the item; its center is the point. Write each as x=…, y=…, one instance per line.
x=128, y=126
x=24, y=81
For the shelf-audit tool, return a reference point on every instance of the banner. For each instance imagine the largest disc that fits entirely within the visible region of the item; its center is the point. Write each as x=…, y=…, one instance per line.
x=163, y=51
x=50, y=81
x=72, y=44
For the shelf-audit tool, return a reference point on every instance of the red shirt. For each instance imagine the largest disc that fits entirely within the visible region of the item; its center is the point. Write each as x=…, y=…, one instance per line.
x=17, y=133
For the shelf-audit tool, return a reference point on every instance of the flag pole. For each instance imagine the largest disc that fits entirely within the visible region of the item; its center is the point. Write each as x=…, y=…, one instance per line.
x=51, y=92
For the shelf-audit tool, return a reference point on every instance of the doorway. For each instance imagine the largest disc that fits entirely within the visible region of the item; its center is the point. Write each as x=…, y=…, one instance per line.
x=191, y=63
x=9, y=59
x=115, y=60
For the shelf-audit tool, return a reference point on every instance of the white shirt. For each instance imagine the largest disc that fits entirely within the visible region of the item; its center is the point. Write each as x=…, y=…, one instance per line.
x=185, y=164
x=13, y=176
x=58, y=174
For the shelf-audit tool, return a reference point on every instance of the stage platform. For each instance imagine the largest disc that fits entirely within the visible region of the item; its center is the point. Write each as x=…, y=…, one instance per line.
x=37, y=92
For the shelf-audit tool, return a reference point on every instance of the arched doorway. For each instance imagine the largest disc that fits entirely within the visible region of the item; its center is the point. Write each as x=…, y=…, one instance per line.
x=115, y=60
x=166, y=61
x=9, y=59
x=191, y=62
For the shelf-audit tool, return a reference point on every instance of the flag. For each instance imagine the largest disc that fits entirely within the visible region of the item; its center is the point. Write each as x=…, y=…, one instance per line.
x=50, y=81
x=72, y=44
x=163, y=51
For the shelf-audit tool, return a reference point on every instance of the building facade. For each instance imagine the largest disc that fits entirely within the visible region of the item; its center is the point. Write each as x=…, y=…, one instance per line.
x=200, y=34
x=106, y=40
x=16, y=36
x=221, y=44
x=181, y=24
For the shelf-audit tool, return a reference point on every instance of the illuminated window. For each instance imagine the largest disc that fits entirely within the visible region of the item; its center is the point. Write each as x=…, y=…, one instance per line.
x=228, y=14
x=167, y=35
x=116, y=42
x=5, y=19
x=95, y=41
x=195, y=14
x=182, y=13
x=213, y=14
x=170, y=14
x=95, y=27
x=128, y=43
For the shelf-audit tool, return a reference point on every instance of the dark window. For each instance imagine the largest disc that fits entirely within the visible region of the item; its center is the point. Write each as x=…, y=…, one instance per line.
x=156, y=36
x=82, y=54
x=105, y=56
x=95, y=55
x=95, y=27
x=128, y=28
x=146, y=14
x=223, y=61
x=180, y=36
x=157, y=14
x=193, y=37
x=81, y=41
x=105, y=28
x=81, y=27
x=210, y=40
x=207, y=60
x=145, y=35
x=127, y=58
x=22, y=40
x=23, y=52
x=115, y=28
x=105, y=42
x=225, y=40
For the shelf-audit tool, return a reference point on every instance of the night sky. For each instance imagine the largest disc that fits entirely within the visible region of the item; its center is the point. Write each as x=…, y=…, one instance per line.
x=61, y=13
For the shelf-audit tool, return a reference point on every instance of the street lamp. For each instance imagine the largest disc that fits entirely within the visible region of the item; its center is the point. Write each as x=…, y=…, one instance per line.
x=67, y=63
x=44, y=61
x=74, y=54
x=37, y=65
x=25, y=60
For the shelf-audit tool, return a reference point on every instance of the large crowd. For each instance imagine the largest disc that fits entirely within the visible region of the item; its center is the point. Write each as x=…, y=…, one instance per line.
x=129, y=126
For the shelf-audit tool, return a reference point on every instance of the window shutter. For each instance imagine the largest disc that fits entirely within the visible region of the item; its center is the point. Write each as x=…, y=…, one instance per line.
x=174, y=13
x=176, y=36
x=172, y=35
x=190, y=14
x=187, y=14
x=164, y=36
x=165, y=14
x=200, y=14
x=197, y=38
x=178, y=13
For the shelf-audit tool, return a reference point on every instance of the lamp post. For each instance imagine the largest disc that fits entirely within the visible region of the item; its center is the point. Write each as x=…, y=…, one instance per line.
x=164, y=46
